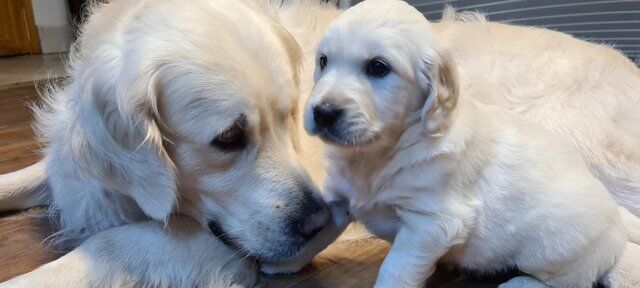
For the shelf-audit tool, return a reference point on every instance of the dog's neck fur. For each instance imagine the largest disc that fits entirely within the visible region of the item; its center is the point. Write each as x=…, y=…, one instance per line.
x=370, y=168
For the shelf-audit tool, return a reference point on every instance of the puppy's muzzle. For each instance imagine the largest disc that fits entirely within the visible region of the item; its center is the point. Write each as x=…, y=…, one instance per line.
x=326, y=115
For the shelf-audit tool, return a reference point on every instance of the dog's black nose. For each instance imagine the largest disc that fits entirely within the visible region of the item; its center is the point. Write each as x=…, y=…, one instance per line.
x=315, y=216
x=310, y=226
x=325, y=115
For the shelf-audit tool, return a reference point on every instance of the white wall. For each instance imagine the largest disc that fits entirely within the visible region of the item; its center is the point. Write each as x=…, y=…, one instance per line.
x=52, y=20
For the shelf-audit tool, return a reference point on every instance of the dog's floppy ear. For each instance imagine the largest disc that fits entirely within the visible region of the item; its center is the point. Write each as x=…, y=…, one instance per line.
x=441, y=88
x=292, y=49
x=120, y=141
x=295, y=57
x=153, y=184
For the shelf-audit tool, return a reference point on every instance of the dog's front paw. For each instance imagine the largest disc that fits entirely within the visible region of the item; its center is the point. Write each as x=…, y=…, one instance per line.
x=281, y=268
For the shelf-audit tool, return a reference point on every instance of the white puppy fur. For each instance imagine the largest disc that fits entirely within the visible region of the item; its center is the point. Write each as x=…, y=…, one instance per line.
x=482, y=50
x=443, y=177
x=582, y=90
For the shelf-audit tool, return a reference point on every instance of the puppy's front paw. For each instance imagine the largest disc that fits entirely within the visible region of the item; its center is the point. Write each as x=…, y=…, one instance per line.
x=281, y=268
x=626, y=273
x=340, y=213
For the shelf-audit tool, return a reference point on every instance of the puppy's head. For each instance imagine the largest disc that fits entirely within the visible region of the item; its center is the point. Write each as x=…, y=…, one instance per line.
x=204, y=123
x=378, y=70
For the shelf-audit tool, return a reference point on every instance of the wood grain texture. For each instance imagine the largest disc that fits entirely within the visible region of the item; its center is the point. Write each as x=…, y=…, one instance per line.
x=18, y=147
x=23, y=244
x=27, y=70
x=22, y=234
x=344, y=264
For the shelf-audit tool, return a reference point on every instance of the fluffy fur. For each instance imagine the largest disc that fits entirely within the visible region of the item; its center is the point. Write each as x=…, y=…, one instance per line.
x=484, y=51
x=585, y=91
x=129, y=139
x=146, y=254
x=445, y=178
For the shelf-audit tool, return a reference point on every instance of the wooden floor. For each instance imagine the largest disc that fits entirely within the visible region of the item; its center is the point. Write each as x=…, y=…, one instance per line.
x=21, y=233
x=24, y=70
x=351, y=263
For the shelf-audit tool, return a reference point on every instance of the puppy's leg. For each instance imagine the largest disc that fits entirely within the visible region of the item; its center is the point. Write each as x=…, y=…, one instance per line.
x=523, y=282
x=632, y=224
x=325, y=237
x=419, y=243
x=626, y=273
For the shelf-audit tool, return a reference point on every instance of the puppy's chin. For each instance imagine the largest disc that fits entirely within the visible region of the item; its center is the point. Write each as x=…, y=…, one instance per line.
x=348, y=139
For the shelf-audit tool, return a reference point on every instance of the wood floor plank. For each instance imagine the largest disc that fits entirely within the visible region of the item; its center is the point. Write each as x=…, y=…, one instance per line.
x=22, y=234
x=358, y=270
x=339, y=252
x=22, y=243
x=18, y=147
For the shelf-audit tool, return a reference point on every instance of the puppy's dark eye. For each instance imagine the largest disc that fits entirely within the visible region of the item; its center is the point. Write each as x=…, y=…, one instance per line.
x=233, y=138
x=378, y=68
x=322, y=61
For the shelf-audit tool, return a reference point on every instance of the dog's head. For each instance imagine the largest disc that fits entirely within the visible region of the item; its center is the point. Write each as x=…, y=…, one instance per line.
x=378, y=68
x=198, y=116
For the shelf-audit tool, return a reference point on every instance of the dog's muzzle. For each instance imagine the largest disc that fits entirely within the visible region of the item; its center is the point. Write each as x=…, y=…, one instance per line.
x=326, y=115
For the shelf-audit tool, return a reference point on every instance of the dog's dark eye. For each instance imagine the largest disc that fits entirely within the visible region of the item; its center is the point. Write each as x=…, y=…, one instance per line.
x=322, y=61
x=377, y=68
x=233, y=138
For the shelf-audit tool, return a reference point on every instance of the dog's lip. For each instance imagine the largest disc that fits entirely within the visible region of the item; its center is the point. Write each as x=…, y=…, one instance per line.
x=217, y=231
x=330, y=137
x=225, y=238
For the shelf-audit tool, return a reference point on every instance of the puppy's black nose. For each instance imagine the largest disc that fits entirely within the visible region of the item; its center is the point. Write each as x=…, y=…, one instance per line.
x=325, y=115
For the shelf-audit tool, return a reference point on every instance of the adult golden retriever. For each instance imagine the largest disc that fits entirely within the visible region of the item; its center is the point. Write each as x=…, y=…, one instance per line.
x=176, y=112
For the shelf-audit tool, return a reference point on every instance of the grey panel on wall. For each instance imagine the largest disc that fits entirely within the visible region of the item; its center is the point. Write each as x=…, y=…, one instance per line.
x=615, y=22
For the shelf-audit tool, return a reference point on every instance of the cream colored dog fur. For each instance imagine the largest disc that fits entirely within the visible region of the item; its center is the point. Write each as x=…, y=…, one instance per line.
x=182, y=253
x=180, y=121
x=445, y=178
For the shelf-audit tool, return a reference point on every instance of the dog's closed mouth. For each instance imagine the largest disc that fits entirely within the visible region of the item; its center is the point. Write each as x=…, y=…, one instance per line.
x=220, y=234
x=330, y=137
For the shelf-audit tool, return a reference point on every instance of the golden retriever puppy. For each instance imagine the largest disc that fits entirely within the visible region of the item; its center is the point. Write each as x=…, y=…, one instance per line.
x=443, y=177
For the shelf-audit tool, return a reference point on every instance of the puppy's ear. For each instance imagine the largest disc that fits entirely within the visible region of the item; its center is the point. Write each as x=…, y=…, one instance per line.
x=120, y=142
x=442, y=92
